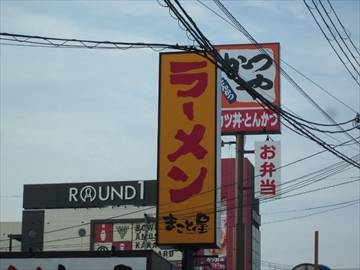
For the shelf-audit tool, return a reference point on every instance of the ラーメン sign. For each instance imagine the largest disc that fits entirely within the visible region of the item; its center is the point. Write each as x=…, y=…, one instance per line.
x=188, y=151
x=258, y=65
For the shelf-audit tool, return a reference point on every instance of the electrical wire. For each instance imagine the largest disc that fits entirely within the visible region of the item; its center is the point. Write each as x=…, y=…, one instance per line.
x=206, y=53
x=97, y=45
x=332, y=46
x=309, y=215
x=283, y=61
x=235, y=24
x=240, y=28
x=217, y=210
x=277, y=168
x=319, y=86
x=152, y=207
x=212, y=54
x=149, y=208
x=309, y=208
x=328, y=170
x=337, y=31
x=343, y=27
x=89, y=44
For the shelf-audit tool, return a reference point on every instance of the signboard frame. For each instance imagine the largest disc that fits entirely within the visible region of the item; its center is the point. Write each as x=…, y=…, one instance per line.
x=269, y=164
x=89, y=194
x=251, y=106
x=133, y=221
x=215, y=166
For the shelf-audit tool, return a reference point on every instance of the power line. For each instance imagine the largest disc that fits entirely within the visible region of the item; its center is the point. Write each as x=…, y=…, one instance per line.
x=97, y=44
x=343, y=27
x=152, y=207
x=149, y=208
x=278, y=168
x=264, y=223
x=186, y=214
x=319, y=86
x=312, y=178
x=321, y=188
x=83, y=224
x=312, y=214
x=283, y=61
x=309, y=208
x=201, y=206
x=240, y=28
x=50, y=42
x=143, y=210
x=89, y=44
x=334, y=36
x=212, y=55
x=332, y=46
x=337, y=31
x=123, y=43
x=235, y=24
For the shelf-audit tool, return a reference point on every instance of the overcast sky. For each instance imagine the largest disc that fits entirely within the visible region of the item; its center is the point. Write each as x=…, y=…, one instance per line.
x=76, y=115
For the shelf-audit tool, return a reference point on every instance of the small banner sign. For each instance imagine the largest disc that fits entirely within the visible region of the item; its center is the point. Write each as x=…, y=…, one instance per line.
x=267, y=173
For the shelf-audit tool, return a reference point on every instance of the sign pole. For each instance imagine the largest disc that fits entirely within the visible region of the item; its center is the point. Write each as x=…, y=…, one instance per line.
x=316, y=251
x=10, y=242
x=188, y=259
x=239, y=241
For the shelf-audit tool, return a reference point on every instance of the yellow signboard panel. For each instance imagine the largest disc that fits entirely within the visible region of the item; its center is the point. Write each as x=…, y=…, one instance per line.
x=188, y=151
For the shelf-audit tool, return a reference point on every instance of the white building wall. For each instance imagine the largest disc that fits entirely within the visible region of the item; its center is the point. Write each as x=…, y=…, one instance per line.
x=7, y=228
x=61, y=226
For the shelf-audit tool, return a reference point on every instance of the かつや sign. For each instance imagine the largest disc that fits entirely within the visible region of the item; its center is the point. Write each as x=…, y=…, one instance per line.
x=258, y=65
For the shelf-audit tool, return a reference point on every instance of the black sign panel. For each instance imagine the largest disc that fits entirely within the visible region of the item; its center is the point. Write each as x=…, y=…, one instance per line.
x=90, y=195
x=32, y=232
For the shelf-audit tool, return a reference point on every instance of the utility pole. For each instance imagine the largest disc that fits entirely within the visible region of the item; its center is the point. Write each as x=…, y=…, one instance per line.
x=146, y=231
x=316, y=251
x=188, y=262
x=239, y=232
x=10, y=242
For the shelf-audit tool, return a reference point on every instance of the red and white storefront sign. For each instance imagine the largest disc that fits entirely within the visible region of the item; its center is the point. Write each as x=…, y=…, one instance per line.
x=129, y=235
x=258, y=65
x=267, y=174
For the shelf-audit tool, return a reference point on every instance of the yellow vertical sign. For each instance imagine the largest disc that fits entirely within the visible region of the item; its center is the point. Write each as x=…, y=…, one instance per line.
x=188, y=151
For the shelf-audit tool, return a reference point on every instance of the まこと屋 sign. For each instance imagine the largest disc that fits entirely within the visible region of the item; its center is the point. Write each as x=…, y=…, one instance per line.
x=188, y=151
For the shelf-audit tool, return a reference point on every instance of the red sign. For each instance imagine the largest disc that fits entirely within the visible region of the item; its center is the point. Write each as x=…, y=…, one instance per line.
x=260, y=69
x=222, y=258
x=103, y=232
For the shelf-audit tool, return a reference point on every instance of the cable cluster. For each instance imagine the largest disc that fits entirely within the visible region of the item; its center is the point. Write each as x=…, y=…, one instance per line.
x=347, y=53
x=41, y=41
x=210, y=52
